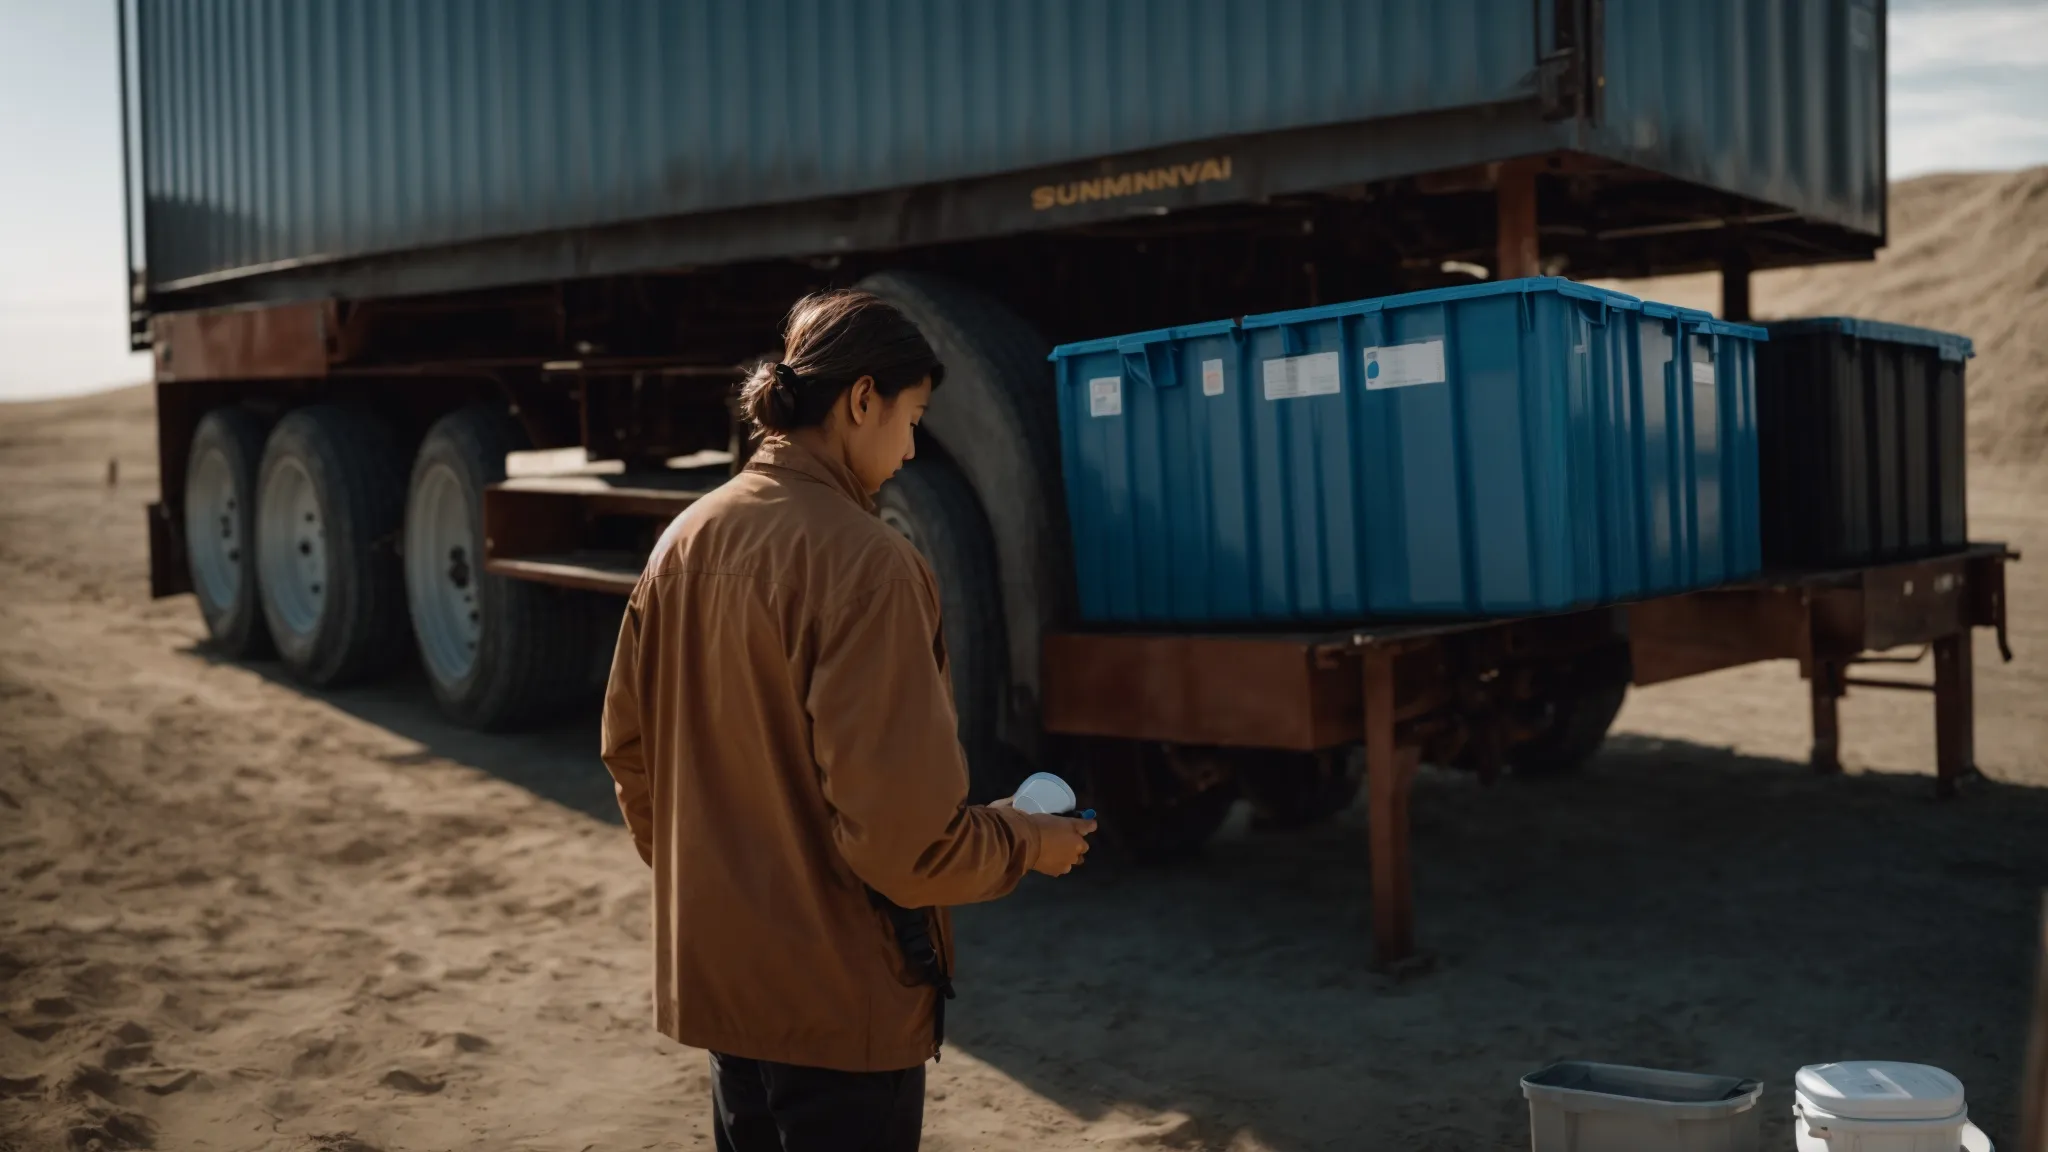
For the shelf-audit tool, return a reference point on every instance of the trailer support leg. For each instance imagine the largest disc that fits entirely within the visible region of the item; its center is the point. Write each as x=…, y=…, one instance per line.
x=1517, y=254
x=1826, y=687
x=1955, y=738
x=1390, y=779
x=1735, y=286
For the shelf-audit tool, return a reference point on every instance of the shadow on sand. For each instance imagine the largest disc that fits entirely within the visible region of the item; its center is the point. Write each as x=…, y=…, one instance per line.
x=1673, y=905
x=557, y=760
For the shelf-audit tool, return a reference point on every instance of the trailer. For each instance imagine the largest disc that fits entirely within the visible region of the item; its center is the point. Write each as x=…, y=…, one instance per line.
x=377, y=249
x=1479, y=694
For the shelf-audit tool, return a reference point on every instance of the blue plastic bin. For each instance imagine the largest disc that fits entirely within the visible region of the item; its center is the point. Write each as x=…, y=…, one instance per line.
x=1495, y=449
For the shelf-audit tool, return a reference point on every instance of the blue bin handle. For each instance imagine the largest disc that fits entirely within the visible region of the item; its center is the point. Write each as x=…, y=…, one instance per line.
x=1154, y=361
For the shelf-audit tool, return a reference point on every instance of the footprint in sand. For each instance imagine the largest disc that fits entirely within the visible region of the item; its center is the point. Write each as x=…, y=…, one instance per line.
x=360, y=852
x=114, y=1130
x=125, y=1056
x=322, y=1056
x=168, y=1081
x=87, y=1080
x=342, y=1142
x=403, y=1081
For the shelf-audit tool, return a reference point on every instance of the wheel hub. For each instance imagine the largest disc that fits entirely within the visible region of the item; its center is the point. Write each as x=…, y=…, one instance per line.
x=214, y=524
x=292, y=548
x=440, y=574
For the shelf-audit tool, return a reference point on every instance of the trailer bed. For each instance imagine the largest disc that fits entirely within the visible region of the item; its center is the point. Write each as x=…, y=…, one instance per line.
x=1402, y=688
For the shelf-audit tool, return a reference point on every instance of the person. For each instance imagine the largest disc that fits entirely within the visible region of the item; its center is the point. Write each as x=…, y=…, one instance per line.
x=780, y=727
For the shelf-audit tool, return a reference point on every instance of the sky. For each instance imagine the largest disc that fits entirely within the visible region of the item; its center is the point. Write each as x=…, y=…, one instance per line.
x=1969, y=81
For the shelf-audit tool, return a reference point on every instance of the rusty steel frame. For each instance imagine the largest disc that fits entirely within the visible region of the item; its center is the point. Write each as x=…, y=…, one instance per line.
x=538, y=528
x=1396, y=689
x=276, y=342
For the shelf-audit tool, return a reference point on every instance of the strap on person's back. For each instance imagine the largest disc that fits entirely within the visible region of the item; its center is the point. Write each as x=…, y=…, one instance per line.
x=913, y=927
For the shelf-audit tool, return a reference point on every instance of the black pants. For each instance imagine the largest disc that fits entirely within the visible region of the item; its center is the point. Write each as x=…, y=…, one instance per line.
x=764, y=1107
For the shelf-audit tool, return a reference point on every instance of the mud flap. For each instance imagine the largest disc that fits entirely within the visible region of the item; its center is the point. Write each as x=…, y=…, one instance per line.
x=169, y=574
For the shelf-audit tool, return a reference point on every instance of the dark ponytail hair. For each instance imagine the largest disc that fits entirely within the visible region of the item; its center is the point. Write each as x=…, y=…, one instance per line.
x=831, y=340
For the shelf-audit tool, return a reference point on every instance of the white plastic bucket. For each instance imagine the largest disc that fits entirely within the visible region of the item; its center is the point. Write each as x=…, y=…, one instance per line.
x=1882, y=1106
x=1584, y=1107
x=1045, y=793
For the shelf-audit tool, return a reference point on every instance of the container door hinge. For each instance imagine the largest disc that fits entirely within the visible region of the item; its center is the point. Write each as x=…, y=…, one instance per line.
x=1570, y=78
x=1557, y=84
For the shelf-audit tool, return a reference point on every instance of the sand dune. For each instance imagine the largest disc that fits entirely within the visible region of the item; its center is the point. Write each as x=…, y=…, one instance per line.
x=1968, y=253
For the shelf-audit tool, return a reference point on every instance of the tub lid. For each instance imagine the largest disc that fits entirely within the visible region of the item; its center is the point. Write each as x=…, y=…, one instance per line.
x=1137, y=340
x=1947, y=345
x=1526, y=285
x=1880, y=1090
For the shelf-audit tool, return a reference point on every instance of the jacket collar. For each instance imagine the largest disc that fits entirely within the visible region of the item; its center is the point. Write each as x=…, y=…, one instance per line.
x=781, y=454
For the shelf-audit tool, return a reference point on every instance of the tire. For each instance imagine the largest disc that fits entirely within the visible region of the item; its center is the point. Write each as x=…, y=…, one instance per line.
x=1578, y=726
x=499, y=653
x=996, y=420
x=328, y=508
x=1291, y=790
x=930, y=503
x=220, y=530
x=1156, y=803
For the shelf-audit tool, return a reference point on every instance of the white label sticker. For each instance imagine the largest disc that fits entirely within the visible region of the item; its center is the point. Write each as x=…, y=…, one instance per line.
x=1702, y=372
x=1404, y=365
x=1292, y=377
x=1212, y=377
x=1106, y=396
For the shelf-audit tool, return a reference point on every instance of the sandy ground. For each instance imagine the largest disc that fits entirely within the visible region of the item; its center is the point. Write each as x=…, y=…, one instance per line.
x=239, y=916
x=236, y=915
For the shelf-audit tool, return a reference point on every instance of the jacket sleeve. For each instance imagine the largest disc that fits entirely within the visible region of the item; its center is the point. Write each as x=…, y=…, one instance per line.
x=883, y=734
x=624, y=755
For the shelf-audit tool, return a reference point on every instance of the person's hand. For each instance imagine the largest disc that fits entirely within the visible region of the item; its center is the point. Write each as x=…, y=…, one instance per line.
x=1062, y=842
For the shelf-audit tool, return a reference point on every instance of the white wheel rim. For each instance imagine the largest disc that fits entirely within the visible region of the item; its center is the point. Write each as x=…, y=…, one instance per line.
x=213, y=530
x=442, y=572
x=291, y=549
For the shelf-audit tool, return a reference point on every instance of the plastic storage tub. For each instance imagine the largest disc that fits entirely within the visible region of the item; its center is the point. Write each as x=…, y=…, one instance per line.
x=1861, y=429
x=1881, y=1106
x=1582, y=1107
x=1495, y=449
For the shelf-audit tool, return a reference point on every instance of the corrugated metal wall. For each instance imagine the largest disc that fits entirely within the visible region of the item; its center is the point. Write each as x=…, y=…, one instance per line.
x=1782, y=100
x=281, y=130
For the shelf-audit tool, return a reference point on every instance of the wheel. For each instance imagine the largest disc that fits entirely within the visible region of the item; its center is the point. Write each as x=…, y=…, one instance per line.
x=1159, y=803
x=499, y=653
x=1301, y=789
x=220, y=530
x=930, y=503
x=1578, y=726
x=329, y=502
x=997, y=422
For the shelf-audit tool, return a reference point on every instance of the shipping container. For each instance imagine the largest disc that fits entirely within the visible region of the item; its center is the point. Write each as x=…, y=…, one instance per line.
x=1861, y=429
x=301, y=150
x=1515, y=447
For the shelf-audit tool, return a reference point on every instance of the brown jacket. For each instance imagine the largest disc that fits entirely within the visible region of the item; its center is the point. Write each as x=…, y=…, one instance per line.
x=780, y=726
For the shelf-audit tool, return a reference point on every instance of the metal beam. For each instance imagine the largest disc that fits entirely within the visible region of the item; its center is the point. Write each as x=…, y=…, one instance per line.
x=1517, y=253
x=1390, y=781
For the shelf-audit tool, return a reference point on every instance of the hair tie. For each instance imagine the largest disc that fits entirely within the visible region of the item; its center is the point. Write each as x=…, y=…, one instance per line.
x=786, y=377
